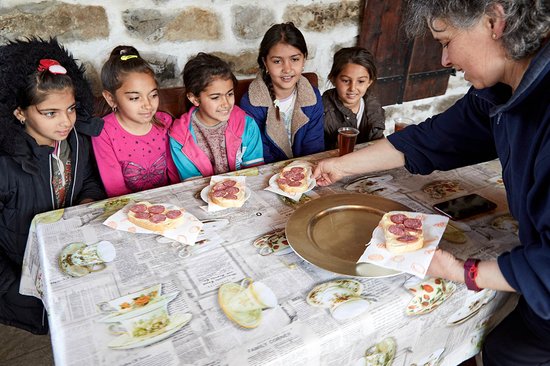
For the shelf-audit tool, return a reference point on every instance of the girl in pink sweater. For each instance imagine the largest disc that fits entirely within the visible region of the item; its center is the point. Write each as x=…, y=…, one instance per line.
x=132, y=151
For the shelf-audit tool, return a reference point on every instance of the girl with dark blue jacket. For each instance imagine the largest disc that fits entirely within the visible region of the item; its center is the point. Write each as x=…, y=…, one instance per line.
x=44, y=157
x=287, y=108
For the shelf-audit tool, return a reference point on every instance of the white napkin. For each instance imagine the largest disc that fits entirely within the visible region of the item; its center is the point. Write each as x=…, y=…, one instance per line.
x=186, y=233
x=416, y=262
x=274, y=187
x=212, y=207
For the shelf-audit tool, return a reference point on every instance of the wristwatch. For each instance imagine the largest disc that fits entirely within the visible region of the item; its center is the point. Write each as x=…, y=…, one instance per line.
x=470, y=274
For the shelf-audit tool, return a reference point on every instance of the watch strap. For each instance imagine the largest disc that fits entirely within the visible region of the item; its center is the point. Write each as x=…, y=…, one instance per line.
x=470, y=274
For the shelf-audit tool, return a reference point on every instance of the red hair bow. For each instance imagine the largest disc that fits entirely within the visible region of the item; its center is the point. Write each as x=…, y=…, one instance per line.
x=52, y=66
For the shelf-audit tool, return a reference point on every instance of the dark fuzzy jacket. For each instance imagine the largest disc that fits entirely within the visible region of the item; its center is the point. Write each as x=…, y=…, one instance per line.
x=25, y=186
x=337, y=115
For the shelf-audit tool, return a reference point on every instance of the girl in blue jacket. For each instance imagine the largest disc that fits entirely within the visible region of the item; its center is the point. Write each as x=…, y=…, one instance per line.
x=287, y=108
x=45, y=111
x=215, y=136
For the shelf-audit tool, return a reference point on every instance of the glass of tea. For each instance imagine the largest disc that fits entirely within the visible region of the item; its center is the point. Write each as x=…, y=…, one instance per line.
x=347, y=136
x=402, y=122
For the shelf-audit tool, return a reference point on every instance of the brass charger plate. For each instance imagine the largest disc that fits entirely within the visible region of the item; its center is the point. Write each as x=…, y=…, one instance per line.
x=331, y=232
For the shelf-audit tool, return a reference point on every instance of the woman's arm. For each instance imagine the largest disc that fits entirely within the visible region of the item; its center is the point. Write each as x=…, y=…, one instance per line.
x=381, y=155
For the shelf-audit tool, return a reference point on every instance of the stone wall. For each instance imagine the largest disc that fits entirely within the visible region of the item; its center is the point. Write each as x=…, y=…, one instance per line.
x=168, y=32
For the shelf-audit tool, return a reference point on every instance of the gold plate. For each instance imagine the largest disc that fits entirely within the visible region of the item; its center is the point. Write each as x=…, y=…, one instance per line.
x=331, y=232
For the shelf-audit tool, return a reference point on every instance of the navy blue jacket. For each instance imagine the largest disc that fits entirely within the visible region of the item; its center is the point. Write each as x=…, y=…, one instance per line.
x=307, y=121
x=491, y=123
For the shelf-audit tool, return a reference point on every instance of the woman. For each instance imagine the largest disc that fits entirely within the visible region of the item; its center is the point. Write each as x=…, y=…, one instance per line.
x=503, y=48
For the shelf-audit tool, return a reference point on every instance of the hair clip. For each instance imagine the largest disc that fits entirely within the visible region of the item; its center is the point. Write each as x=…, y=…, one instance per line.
x=127, y=57
x=52, y=66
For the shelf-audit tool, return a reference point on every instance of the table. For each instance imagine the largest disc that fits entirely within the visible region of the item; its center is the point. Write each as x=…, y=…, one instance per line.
x=291, y=333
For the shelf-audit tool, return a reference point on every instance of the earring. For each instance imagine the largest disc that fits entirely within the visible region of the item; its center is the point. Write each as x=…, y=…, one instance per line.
x=115, y=109
x=494, y=36
x=22, y=121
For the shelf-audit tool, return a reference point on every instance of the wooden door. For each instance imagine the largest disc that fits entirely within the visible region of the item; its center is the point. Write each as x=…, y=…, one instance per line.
x=407, y=69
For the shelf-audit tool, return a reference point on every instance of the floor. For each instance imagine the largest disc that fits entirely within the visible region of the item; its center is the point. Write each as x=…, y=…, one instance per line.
x=21, y=348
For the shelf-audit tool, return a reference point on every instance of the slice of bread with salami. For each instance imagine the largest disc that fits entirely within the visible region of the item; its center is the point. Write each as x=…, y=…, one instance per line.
x=294, y=178
x=227, y=193
x=155, y=217
x=403, y=231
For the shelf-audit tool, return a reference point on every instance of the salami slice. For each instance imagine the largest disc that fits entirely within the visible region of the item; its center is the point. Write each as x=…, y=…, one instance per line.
x=229, y=183
x=407, y=238
x=218, y=186
x=412, y=223
x=219, y=193
x=140, y=207
x=172, y=214
x=230, y=197
x=298, y=176
x=286, y=174
x=156, y=209
x=297, y=169
x=397, y=230
x=281, y=180
x=294, y=183
x=142, y=215
x=398, y=218
x=232, y=190
x=157, y=218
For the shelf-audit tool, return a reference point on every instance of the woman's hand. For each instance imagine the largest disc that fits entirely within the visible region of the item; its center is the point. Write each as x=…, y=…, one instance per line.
x=328, y=172
x=446, y=266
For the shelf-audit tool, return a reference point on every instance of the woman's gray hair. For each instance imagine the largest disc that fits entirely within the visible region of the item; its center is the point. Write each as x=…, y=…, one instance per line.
x=527, y=21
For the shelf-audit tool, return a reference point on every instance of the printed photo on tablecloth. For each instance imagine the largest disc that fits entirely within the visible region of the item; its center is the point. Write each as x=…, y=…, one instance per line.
x=141, y=318
x=185, y=231
x=416, y=262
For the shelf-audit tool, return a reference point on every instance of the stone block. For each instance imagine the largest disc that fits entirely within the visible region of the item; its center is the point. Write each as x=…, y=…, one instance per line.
x=193, y=24
x=251, y=22
x=242, y=64
x=68, y=22
x=147, y=24
x=323, y=17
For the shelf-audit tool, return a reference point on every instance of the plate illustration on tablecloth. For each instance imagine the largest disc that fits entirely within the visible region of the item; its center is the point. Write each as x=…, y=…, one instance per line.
x=125, y=341
x=323, y=295
x=473, y=305
x=420, y=306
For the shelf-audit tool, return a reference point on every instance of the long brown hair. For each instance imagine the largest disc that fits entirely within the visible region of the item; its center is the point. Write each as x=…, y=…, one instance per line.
x=279, y=33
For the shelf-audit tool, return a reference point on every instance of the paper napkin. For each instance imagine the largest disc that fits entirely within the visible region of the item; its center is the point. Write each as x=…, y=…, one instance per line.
x=416, y=262
x=186, y=233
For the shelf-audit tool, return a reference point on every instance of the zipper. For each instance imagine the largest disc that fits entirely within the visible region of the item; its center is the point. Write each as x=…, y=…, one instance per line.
x=73, y=178
x=51, y=185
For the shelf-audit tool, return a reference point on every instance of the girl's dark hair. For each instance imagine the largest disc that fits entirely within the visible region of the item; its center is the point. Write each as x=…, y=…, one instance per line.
x=39, y=84
x=122, y=61
x=279, y=33
x=202, y=69
x=353, y=55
